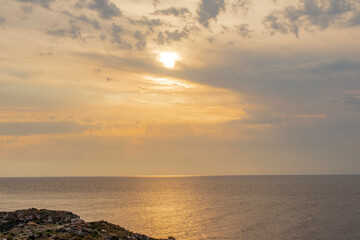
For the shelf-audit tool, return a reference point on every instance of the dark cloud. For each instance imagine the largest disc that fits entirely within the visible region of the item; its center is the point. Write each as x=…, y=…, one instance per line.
x=272, y=22
x=155, y=2
x=84, y=19
x=43, y=3
x=224, y=30
x=105, y=8
x=177, y=35
x=168, y=37
x=308, y=13
x=59, y=32
x=117, y=33
x=160, y=39
x=230, y=43
x=354, y=20
x=211, y=39
x=281, y=82
x=208, y=10
x=2, y=21
x=244, y=5
x=178, y=12
x=337, y=65
x=150, y=23
x=326, y=68
x=352, y=100
x=141, y=40
x=80, y=4
x=243, y=30
x=73, y=32
x=27, y=9
x=40, y=128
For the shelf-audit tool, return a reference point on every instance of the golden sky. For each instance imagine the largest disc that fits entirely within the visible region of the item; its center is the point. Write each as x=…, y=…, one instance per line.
x=209, y=87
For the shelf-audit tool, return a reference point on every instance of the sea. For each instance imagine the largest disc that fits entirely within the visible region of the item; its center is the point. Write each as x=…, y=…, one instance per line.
x=195, y=208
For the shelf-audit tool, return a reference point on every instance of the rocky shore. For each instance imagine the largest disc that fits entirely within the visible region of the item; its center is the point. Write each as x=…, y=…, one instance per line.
x=58, y=225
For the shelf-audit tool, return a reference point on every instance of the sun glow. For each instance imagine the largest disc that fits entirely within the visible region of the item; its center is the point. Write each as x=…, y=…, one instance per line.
x=169, y=59
x=170, y=82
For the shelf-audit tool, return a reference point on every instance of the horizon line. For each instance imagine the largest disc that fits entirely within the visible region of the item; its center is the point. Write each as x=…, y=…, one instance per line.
x=186, y=175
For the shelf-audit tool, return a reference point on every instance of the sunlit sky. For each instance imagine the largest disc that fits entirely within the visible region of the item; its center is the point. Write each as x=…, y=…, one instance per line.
x=206, y=87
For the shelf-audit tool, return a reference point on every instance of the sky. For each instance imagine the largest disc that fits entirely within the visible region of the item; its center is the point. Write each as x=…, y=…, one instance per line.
x=87, y=87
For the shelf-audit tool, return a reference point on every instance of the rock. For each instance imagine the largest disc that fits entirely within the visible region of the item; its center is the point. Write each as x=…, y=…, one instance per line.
x=79, y=233
x=59, y=225
x=141, y=237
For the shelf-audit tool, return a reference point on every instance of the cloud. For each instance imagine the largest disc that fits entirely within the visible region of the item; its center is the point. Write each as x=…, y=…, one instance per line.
x=141, y=40
x=352, y=100
x=355, y=20
x=60, y=32
x=47, y=54
x=240, y=4
x=40, y=128
x=168, y=37
x=43, y=3
x=208, y=10
x=260, y=119
x=2, y=21
x=230, y=43
x=27, y=9
x=155, y=2
x=177, y=35
x=178, y=12
x=73, y=32
x=123, y=63
x=150, y=23
x=243, y=30
x=106, y=9
x=84, y=19
x=161, y=39
x=311, y=116
x=307, y=13
x=272, y=22
x=117, y=33
x=211, y=39
x=336, y=65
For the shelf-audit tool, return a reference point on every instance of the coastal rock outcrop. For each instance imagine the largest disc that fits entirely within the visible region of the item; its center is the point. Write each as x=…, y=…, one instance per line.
x=59, y=225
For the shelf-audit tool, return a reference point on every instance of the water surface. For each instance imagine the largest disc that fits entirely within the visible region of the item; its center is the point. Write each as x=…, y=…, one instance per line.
x=193, y=208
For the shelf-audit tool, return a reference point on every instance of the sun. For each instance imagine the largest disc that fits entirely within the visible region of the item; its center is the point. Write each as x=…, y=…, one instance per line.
x=169, y=59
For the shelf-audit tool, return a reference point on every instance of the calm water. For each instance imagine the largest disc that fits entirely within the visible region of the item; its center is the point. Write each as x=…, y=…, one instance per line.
x=193, y=208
